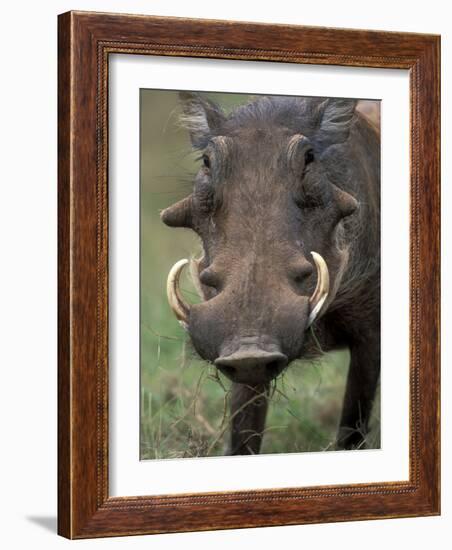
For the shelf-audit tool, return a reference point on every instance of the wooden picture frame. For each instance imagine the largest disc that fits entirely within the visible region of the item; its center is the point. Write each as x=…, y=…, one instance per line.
x=85, y=42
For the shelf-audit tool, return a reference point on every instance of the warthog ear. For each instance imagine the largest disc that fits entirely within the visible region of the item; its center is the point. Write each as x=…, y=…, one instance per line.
x=179, y=214
x=202, y=117
x=336, y=117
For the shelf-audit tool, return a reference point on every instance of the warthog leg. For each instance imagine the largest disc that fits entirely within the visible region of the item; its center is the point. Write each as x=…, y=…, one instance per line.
x=362, y=382
x=249, y=406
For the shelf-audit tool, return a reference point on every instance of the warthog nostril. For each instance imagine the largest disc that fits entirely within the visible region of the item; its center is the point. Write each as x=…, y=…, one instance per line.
x=251, y=365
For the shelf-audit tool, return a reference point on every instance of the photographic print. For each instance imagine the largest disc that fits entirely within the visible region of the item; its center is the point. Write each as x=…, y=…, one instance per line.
x=260, y=274
x=225, y=193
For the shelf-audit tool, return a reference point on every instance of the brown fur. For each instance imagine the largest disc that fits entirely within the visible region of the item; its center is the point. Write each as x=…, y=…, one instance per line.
x=283, y=177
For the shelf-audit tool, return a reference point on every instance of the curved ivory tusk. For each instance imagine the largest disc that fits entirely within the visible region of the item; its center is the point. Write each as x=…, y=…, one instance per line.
x=322, y=289
x=194, y=273
x=179, y=306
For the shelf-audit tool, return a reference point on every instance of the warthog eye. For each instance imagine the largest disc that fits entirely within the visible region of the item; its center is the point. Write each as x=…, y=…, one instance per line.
x=308, y=157
x=206, y=162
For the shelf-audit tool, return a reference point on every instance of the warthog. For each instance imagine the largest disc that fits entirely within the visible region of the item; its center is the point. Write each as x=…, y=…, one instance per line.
x=287, y=206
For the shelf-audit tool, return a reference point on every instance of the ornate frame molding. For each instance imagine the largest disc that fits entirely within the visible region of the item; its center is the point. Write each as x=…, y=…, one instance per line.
x=85, y=42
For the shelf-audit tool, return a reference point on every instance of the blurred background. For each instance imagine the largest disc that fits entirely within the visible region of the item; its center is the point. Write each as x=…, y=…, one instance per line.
x=184, y=402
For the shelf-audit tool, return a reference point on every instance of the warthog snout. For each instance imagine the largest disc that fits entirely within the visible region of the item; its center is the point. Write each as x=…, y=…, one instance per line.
x=251, y=364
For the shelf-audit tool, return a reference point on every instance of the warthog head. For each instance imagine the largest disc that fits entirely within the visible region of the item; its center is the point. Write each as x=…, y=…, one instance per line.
x=268, y=210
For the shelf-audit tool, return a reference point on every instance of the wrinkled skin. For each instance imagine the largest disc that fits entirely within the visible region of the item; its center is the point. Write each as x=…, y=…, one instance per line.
x=280, y=178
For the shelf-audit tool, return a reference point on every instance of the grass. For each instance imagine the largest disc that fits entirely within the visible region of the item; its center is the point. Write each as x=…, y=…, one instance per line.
x=186, y=413
x=184, y=401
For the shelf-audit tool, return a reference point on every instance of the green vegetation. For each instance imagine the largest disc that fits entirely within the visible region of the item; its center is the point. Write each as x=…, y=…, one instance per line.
x=184, y=401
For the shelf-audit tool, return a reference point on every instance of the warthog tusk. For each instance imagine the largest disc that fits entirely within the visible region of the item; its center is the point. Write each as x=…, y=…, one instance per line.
x=322, y=289
x=194, y=273
x=179, y=306
x=181, y=309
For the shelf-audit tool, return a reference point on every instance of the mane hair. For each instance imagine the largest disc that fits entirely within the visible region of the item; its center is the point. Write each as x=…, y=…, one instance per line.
x=326, y=121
